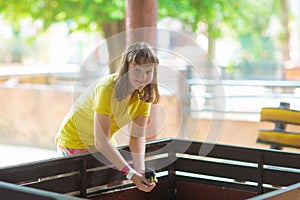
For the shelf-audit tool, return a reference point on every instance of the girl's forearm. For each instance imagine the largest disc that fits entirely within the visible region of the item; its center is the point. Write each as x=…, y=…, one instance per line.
x=112, y=154
x=137, y=149
x=137, y=142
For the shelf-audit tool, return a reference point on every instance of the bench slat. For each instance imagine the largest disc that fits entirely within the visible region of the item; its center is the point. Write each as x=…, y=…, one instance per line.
x=280, y=115
x=289, y=139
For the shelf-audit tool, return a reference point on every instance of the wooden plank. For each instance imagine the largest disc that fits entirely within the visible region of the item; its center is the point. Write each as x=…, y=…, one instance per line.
x=233, y=185
x=95, y=160
x=60, y=185
x=12, y=191
x=278, y=177
x=216, y=150
x=103, y=177
x=236, y=172
x=244, y=154
x=41, y=169
x=235, y=153
x=159, y=147
x=281, y=158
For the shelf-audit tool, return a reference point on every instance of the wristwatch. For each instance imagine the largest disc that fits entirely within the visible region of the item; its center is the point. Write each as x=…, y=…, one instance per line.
x=130, y=174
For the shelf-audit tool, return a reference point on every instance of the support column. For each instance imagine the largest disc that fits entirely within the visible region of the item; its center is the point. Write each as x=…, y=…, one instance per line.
x=141, y=14
x=140, y=22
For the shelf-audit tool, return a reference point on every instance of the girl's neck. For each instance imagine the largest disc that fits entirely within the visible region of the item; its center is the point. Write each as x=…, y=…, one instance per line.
x=131, y=91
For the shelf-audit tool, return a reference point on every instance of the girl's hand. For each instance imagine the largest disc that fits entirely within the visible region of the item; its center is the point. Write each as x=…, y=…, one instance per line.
x=142, y=183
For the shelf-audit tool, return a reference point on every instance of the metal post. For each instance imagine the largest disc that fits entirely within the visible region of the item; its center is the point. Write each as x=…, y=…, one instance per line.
x=280, y=125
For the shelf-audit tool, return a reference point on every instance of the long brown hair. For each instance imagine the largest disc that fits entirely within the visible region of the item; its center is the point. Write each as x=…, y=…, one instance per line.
x=139, y=53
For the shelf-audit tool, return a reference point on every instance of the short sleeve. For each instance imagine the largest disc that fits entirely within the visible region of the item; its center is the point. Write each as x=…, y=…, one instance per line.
x=144, y=109
x=102, y=99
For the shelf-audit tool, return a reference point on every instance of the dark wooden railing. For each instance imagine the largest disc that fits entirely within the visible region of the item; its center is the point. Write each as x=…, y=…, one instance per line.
x=255, y=171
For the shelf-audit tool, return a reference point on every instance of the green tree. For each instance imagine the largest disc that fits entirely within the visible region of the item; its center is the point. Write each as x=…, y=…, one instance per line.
x=243, y=18
x=105, y=16
x=86, y=15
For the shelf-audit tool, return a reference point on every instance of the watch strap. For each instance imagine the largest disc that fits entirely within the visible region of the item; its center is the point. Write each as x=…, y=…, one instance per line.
x=130, y=174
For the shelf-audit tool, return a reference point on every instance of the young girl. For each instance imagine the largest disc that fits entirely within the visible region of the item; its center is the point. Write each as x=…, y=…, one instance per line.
x=113, y=102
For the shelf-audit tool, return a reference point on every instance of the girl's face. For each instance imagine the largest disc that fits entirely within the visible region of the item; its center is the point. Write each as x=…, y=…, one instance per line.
x=140, y=75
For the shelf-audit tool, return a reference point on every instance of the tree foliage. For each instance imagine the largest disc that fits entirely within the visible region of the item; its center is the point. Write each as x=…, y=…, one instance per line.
x=87, y=14
x=241, y=19
x=239, y=15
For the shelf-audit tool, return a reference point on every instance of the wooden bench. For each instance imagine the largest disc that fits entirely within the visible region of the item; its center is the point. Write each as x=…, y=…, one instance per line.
x=279, y=137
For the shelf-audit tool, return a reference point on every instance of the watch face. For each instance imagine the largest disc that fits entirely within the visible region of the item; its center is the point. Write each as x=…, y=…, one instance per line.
x=129, y=175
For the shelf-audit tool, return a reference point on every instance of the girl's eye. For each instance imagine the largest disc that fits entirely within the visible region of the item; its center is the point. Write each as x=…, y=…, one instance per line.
x=137, y=70
x=149, y=72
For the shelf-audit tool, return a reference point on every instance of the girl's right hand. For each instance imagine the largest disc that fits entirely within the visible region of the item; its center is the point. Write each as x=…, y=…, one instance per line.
x=142, y=183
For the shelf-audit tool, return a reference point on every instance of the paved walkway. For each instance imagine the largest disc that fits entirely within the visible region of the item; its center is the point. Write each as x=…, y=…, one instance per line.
x=13, y=155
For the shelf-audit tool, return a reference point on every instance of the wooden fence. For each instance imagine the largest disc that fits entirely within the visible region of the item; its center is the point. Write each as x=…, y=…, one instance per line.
x=255, y=171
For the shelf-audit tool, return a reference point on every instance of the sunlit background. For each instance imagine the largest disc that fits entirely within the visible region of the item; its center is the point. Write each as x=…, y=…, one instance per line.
x=254, y=45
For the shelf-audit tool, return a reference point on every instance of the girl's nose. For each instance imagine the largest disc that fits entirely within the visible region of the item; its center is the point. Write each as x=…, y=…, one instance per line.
x=142, y=76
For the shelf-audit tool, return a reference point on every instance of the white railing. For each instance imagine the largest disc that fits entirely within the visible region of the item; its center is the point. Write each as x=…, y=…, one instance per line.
x=245, y=97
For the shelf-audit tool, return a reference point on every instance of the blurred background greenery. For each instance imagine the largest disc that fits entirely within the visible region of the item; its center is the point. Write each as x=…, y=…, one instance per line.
x=247, y=39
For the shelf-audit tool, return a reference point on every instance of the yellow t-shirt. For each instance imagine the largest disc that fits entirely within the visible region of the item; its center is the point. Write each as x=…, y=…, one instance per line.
x=77, y=129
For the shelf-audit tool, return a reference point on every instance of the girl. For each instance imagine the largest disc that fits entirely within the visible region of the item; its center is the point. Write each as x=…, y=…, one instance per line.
x=113, y=102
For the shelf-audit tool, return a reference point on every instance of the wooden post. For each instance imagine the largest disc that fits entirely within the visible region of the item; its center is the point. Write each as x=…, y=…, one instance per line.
x=140, y=23
x=141, y=14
